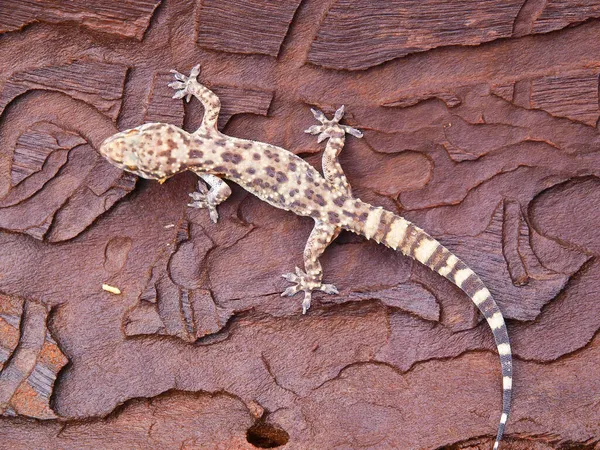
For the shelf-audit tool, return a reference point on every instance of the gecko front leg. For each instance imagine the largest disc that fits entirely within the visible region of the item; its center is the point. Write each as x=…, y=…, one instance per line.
x=336, y=133
x=210, y=199
x=310, y=279
x=188, y=86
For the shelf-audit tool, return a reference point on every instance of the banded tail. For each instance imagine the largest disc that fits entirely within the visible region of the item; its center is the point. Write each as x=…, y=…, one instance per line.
x=400, y=234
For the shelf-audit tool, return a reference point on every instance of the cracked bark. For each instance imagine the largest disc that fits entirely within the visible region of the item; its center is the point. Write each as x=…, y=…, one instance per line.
x=484, y=133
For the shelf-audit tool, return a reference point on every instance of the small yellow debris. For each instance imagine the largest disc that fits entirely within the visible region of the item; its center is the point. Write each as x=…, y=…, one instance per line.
x=256, y=409
x=162, y=180
x=111, y=289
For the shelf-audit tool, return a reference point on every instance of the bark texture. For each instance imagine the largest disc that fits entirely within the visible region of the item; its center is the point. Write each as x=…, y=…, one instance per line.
x=480, y=123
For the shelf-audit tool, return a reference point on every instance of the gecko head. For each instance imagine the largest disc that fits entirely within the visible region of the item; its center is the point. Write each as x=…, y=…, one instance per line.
x=124, y=150
x=155, y=151
x=120, y=149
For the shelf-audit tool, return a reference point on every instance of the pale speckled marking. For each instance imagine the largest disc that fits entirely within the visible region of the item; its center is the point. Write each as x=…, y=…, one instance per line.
x=481, y=296
x=396, y=233
x=504, y=349
x=496, y=321
x=372, y=222
x=507, y=383
x=425, y=249
x=449, y=266
x=503, y=418
x=461, y=275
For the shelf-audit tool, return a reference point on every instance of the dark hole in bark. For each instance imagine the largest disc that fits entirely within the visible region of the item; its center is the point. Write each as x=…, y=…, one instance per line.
x=265, y=435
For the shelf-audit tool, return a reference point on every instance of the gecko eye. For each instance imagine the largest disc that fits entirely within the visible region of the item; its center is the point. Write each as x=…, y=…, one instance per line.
x=130, y=160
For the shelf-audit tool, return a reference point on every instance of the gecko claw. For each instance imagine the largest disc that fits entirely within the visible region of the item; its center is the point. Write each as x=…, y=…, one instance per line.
x=177, y=75
x=353, y=131
x=195, y=71
x=318, y=115
x=212, y=210
x=213, y=214
x=314, y=129
x=292, y=290
x=201, y=202
x=329, y=289
x=291, y=277
x=329, y=128
x=303, y=282
x=339, y=114
x=185, y=84
x=306, y=302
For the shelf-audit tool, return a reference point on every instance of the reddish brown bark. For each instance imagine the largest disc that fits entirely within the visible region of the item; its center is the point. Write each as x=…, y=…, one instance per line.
x=480, y=124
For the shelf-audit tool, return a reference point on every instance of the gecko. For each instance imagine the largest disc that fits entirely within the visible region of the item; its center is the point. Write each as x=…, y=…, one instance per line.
x=158, y=151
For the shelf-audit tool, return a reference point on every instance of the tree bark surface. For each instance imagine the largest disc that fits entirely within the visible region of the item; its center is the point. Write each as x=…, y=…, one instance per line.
x=480, y=123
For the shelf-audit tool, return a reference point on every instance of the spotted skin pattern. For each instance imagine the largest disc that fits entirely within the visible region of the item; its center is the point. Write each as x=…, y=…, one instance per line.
x=282, y=179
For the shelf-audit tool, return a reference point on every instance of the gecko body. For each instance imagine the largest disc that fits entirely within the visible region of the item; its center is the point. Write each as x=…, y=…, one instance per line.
x=284, y=180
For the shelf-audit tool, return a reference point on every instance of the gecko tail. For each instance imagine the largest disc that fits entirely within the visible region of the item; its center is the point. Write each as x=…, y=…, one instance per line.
x=400, y=234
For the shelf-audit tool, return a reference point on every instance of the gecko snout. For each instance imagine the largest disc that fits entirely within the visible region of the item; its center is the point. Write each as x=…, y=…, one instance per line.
x=120, y=151
x=111, y=151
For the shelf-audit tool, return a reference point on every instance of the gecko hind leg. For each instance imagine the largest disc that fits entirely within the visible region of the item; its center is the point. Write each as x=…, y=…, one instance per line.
x=336, y=133
x=311, y=279
x=210, y=199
